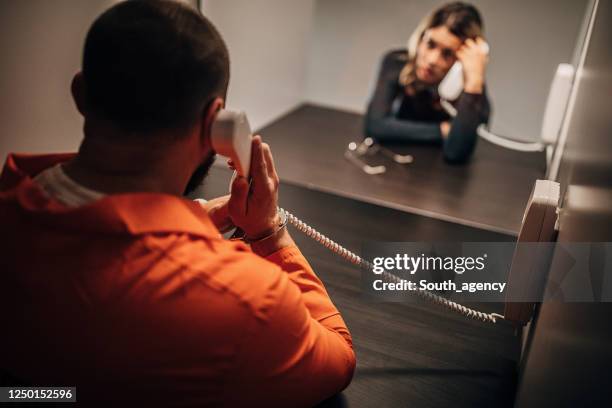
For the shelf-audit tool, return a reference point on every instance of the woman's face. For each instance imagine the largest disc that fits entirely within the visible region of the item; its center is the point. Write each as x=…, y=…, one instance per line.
x=436, y=54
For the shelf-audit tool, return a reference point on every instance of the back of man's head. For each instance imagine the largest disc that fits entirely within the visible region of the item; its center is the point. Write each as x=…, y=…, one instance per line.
x=153, y=65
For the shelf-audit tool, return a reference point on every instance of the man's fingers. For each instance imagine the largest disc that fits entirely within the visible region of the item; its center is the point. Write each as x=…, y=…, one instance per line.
x=259, y=172
x=270, y=163
x=217, y=201
x=238, y=200
x=219, y=215
x=258, y=163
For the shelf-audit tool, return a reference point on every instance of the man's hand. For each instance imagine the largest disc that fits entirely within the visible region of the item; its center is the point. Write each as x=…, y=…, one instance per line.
x=217, y=210
x=253, y=208
x=474, y=60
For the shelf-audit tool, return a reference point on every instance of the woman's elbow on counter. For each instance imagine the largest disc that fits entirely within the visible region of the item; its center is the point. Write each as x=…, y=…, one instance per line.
x=458, y=154
x=372, y=128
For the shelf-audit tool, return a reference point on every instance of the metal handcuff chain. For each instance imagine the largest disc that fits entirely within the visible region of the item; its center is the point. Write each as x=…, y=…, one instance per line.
x=362, y=263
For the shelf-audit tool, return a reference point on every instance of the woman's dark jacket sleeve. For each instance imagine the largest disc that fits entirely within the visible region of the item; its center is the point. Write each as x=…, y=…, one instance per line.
x=472, y=110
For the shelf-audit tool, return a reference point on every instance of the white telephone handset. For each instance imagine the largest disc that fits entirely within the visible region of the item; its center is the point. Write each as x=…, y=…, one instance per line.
x=231, y=137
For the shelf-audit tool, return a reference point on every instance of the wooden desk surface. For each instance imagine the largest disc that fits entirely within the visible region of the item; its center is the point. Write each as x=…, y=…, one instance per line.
x=408, y=354
x=490, y=192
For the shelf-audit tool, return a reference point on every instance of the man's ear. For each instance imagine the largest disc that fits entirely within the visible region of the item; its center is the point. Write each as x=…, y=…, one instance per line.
x=208, y=117
x=79, y=93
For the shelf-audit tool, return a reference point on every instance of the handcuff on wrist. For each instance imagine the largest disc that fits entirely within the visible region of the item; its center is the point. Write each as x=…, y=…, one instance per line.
x=239, y=234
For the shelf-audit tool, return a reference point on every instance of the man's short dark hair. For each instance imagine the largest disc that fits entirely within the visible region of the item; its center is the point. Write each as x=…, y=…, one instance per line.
x=153, y=65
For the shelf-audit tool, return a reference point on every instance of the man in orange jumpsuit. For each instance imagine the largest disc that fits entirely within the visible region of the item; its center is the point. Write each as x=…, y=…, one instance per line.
x=114, y=283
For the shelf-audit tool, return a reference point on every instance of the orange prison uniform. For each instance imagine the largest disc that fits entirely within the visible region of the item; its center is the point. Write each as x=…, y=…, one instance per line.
x=138, y=298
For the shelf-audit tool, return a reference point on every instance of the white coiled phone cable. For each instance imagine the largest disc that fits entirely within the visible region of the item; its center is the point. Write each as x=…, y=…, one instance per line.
x=358, y=261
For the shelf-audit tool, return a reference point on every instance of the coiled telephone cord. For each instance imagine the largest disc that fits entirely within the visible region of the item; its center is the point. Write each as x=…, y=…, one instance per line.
x=358, y=261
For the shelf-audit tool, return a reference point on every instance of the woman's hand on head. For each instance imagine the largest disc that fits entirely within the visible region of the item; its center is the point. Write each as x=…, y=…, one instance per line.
x=474, y=59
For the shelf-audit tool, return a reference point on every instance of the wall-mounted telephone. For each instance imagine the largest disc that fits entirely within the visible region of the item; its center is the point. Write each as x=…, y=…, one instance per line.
x=231, y=137
x=539, y=225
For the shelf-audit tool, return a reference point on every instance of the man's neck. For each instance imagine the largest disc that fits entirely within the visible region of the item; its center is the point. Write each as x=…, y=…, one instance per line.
x=113, y=168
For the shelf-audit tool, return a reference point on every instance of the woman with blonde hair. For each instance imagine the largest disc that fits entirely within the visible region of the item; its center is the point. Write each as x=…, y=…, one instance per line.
x=405, y=106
